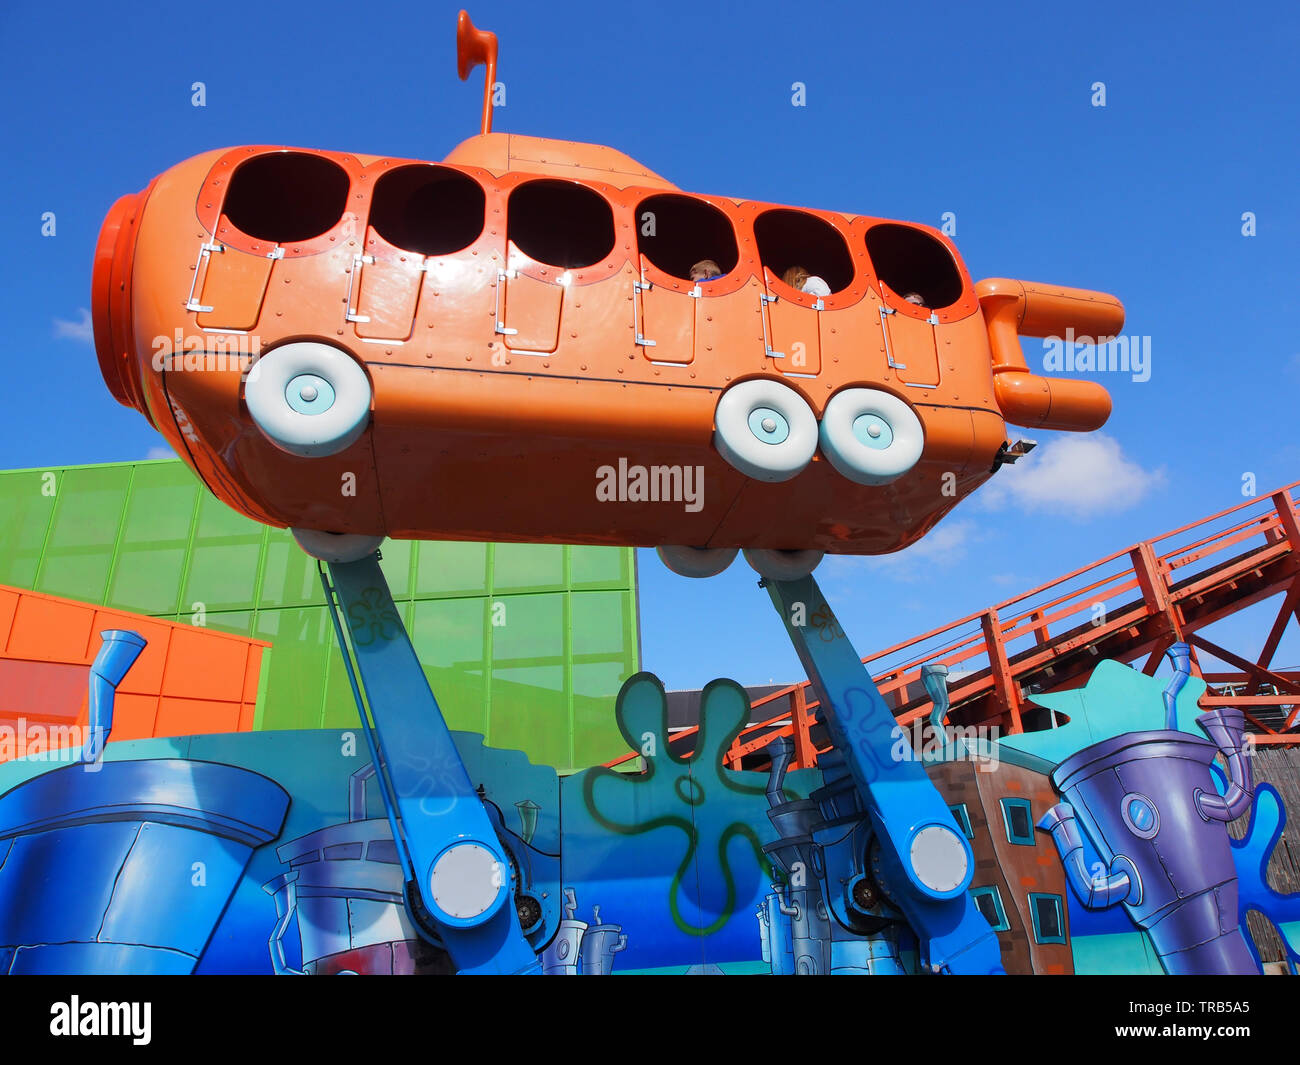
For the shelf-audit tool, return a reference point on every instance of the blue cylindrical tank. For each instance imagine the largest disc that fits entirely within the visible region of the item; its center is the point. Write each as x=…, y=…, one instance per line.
x=776, y=926
x=561, y=958
x=126, y=866
x=599, y=946
x=348, y=900
x=875, y=956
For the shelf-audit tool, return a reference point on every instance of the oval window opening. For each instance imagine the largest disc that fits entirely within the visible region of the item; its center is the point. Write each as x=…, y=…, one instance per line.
x=285, y=197
x=676, y=232
x=913, y=263
x=431, y=210
x=791, y=239
x=560, y=223
x=1039, y=718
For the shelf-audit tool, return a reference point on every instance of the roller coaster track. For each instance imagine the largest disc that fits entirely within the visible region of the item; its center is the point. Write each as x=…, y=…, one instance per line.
x=1129, y=606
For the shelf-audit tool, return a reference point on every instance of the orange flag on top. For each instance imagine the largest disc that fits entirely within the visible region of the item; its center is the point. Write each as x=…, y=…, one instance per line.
x=475, y=46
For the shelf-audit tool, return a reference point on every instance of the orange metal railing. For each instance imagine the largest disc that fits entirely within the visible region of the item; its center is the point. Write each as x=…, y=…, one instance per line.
x=1133, y=603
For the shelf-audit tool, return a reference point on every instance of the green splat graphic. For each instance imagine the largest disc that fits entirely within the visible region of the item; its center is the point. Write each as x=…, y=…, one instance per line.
x=683, y=794
x=373, y=618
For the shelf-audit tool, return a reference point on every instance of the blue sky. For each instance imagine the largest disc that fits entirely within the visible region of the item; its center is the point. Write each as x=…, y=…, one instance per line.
x=983, y=111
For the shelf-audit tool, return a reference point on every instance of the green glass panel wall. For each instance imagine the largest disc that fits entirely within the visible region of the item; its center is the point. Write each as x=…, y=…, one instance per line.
x=82, y=535
x=26, y=503
x=525, y=643
x=155, y=539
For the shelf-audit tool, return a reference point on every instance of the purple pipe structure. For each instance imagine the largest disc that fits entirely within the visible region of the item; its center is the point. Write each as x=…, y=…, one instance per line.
x=1099, y=891
x=1226, y=728
x=1147, y=803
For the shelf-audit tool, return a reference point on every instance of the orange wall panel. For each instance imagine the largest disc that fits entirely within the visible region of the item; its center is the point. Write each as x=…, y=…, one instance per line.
x=200, y=667
x=145, y=677
x=8, y=604
x=134, y=717
x=50, y=630
x=187, y=681
x=180, y=717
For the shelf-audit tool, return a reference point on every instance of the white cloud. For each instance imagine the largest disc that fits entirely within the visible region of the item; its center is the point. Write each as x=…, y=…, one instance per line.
x=160, y=453
x=82, y=329
x=1077, y=475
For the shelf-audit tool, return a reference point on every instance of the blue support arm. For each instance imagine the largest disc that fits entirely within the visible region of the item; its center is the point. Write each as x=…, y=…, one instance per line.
x=924, y=855
x=464, y=878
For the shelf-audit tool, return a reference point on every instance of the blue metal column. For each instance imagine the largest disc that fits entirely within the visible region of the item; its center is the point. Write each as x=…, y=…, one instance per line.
x=464, y=878
x=925, y=860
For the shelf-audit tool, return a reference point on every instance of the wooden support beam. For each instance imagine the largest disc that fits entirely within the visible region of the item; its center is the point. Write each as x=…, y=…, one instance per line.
x=1006, y=690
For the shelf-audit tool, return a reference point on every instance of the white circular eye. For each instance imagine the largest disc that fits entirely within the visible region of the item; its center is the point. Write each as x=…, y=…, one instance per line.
x=870, y=436
x=938, y=858
x=308, y=398
x=765, y=429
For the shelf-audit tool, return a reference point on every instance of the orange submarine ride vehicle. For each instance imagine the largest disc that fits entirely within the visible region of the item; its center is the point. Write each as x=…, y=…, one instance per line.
x=508, y=345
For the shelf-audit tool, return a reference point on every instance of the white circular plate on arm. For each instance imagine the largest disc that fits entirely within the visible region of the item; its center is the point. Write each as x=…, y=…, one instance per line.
x=938, y=859
x=466, y=882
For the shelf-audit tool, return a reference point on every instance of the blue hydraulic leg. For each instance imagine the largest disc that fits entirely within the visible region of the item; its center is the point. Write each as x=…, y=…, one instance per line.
x=464, y=879
x=925, y=861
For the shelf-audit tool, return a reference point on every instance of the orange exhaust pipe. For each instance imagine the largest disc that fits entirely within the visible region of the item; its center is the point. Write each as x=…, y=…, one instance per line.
x=1013, y=309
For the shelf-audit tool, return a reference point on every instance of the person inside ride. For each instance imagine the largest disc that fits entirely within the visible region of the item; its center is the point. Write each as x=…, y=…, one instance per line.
x=798, y=277
x=705, y=270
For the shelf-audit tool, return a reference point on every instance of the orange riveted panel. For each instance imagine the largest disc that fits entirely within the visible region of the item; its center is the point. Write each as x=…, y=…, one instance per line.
x=666, y=323
x=964, y=363
x=729, y=333
x=298, y=490
x=454, y=322
x=388, y=294
x=234, y=286
x=853, y=344
x=110, y=303
x=530, y=309
x=794, y=329
x=911, y=347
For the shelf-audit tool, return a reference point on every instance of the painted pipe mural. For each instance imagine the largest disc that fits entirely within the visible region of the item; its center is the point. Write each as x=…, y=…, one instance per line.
x=1148, y=804
x=125, y=865
x=270, y=852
